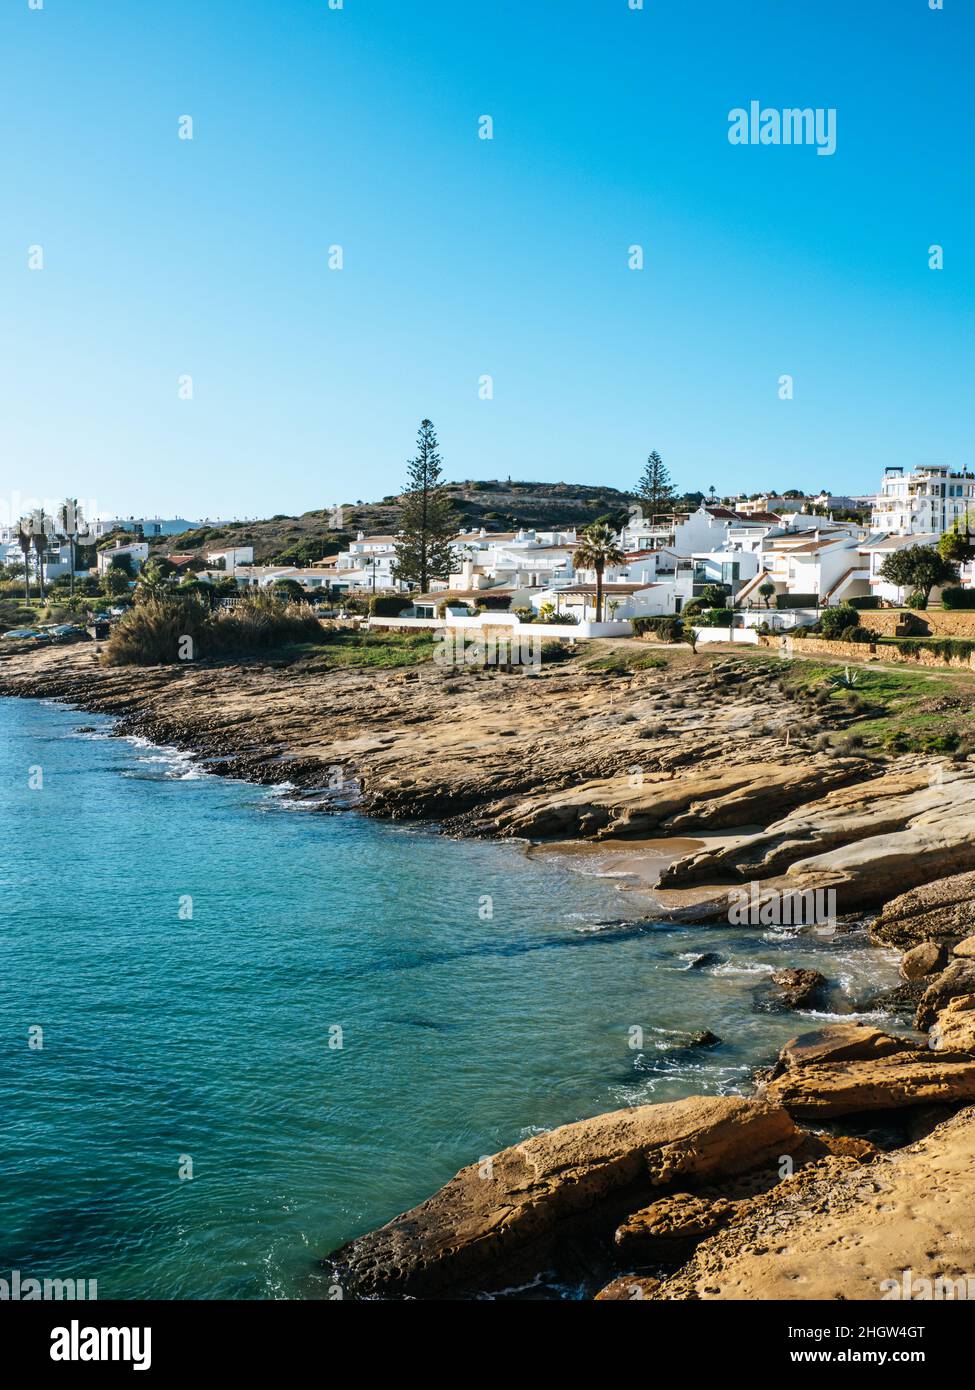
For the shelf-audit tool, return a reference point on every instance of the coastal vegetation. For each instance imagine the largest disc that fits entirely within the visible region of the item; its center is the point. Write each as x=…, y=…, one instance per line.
x=882, y=711
x=169, y=628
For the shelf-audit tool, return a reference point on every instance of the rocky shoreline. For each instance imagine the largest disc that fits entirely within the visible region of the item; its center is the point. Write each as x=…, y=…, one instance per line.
x=680, y=1197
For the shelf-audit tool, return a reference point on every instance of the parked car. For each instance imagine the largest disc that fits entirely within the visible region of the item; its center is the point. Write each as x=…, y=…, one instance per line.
x=21, y=633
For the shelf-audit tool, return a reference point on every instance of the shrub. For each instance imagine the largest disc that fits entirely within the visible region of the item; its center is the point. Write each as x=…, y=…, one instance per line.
x=668, y=627
x=388, y=605
x=954, y=596
x=718, y=617
x=918, y=599
x=154, y=633
x=855, y=633
x=861, y=604
x=834, y=621
x=557, y=649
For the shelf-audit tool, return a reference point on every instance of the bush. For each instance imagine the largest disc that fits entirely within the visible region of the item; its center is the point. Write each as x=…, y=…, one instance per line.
x=718, y=617
x=918, y=599
x=954, y=596
x=862, y=604
x=557, y=649
x=388, y=605
x=857, y=634
x=667, y=627
x=155, y=633
x=834, y=621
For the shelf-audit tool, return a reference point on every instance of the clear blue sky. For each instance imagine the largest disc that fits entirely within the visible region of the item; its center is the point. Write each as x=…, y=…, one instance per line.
x=465, y=257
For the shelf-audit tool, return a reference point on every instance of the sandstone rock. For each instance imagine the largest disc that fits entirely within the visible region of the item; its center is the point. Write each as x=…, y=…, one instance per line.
x=630, y=1288
x=815, y=1081
x=582, y=1177
x=799, y=988
x=957, y=978
x=965, y=949
x=942, y=910
x=923, y=960
x=954, y=1028
x=844, y=1042
x=849, y=1146
x=670, y=1228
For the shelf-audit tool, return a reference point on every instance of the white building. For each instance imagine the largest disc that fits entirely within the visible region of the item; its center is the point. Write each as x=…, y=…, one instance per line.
x=148, y=525
x=876, y=550
x=229, y=557
x=137, y=552
x=926, y=501
x=825, y=566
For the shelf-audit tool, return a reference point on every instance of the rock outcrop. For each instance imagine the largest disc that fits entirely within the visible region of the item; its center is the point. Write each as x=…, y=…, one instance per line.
x=953, y=1030
x=492, y=1222
x=957, y=978
x=942, y=910
x=797, y=989
x=669, y=1228
x=926, y=959
x=835, y=1072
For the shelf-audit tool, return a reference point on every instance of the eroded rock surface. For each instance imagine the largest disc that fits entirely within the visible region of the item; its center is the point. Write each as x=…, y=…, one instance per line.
x=835, y=1072
x=479, y=1229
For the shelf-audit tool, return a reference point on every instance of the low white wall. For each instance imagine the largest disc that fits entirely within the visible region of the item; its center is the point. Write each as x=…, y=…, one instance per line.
x=780, y=619
x=482, y=620
x=725, y=634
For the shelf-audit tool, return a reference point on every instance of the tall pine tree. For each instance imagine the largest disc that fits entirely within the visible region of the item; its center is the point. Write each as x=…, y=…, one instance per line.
x=655, y=490
x=423, y=548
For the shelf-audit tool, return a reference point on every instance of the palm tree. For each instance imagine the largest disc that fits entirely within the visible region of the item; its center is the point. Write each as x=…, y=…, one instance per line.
x=39, y=540
x=69, y=519
x=598, y=549
x=24, y=540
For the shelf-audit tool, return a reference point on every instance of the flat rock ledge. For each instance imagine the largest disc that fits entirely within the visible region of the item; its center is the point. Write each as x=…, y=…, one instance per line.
x=852, y=1070
x=497, y=1221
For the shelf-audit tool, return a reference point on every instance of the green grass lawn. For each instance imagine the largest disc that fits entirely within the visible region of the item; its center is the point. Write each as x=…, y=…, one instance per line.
x=900, y=710
x=382, y=648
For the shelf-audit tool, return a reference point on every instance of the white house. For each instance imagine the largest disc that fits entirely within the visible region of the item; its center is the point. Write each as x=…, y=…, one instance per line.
x=825, y=566
x=229, y=557
x=137, y=552
x=875, y=551
x=621, y=600
x=926, y=501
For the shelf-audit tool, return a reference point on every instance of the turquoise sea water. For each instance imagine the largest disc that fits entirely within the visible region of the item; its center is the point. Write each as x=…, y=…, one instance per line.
x=208, y=1038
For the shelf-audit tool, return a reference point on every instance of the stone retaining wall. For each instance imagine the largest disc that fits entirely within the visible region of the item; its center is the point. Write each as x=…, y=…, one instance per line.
x=863, y=651
x=941, y=622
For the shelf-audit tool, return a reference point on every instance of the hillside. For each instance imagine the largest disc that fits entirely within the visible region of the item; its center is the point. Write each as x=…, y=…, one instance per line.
x=495, y=505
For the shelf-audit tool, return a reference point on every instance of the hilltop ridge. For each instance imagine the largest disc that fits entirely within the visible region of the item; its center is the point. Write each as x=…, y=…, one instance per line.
x=495, y=504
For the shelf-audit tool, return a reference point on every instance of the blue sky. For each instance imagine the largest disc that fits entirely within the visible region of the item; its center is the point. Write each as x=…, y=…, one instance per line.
x=465, y=257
